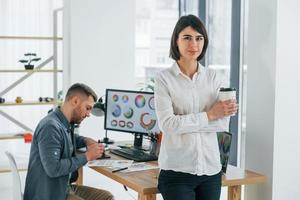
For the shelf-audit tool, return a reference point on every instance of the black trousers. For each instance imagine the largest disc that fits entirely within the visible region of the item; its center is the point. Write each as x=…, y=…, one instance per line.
x=183, y=186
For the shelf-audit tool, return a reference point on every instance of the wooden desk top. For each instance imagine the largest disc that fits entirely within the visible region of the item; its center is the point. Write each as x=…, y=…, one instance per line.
x=238, y=176
x=145, y=182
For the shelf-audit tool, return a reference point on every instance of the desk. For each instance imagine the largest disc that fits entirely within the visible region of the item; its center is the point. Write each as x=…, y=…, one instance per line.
x=145, y=182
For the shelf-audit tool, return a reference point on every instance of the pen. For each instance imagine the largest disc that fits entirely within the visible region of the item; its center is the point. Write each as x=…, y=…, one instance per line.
x=120, y=169
x=104, y=156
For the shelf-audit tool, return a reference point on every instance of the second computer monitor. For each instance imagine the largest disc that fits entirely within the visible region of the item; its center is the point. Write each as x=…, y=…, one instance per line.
x=130, y=111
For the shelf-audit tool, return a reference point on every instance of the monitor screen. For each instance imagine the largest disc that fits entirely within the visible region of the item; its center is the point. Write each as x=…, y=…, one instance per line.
x=130, y=111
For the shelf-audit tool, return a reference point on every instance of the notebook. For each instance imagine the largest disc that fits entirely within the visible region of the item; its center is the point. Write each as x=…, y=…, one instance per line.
x=224, y=140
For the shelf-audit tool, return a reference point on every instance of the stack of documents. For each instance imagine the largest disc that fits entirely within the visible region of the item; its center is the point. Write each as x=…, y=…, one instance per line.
x=114, y=164
x=122, y=164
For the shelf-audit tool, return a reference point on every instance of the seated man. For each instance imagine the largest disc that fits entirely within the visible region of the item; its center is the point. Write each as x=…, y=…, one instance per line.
x=52, y=156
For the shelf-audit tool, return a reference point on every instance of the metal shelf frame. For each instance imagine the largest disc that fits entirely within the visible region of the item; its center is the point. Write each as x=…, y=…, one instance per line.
x=27, y=71
x=30, y=38
x=37, y=69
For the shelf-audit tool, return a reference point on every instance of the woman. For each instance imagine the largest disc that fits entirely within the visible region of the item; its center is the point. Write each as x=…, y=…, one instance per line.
x=189, y=116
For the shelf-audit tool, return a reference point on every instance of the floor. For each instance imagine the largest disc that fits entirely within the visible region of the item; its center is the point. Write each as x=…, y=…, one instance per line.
x=91, y=178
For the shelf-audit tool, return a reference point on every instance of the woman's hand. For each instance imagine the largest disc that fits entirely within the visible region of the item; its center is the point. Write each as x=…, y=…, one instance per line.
x=222, y=109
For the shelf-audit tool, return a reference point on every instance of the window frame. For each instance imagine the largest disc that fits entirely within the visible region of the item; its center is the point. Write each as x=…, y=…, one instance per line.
x=236, y=60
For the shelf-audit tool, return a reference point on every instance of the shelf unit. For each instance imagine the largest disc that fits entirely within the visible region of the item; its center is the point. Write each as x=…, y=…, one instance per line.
x=30, y=103
x=10, y=136
x=29, y=71
x=38, y=69
x=31, y=38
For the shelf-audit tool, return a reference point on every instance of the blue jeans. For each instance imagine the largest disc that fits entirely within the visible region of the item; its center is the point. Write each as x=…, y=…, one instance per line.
x=183, y=186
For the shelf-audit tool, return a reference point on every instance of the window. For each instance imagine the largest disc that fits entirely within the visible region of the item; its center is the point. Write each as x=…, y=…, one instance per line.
x=189, y=7
x=224, y=25
x=27, y=18
x=155, y=20
x=219, y=34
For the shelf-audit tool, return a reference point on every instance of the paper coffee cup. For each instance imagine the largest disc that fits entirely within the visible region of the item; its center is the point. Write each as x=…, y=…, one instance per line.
x=227, y=93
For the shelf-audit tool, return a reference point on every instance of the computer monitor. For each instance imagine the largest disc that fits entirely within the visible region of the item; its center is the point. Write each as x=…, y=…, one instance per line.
x=131, y=111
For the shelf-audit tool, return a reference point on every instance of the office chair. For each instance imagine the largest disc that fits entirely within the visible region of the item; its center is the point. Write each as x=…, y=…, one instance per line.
x=17, y=189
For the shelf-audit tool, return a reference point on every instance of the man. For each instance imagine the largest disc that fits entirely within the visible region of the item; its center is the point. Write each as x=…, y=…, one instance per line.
x=52, y=159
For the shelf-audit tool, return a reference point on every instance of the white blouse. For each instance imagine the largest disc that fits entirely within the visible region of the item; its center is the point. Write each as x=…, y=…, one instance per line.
x=189, y=142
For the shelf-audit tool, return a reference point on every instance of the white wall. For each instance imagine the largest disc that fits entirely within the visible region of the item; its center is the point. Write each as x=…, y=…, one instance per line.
x=287, y=141
x=99, y=49
x=272, y=137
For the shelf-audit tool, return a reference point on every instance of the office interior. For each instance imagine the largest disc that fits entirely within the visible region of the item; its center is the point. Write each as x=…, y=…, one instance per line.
x=122, y=44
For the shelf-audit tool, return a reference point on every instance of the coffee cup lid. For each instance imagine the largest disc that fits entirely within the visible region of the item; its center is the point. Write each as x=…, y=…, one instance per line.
x=227, y=89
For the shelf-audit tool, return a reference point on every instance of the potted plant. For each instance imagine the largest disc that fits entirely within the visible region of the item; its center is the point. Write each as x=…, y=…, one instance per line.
x=148, y=85
x=28, y=62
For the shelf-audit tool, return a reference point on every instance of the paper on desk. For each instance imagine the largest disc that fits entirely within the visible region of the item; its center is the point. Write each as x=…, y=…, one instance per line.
x=110, y=163
x=139, y=167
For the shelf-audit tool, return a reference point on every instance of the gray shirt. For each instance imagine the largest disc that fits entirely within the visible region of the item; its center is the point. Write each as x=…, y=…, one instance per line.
x=51, y=161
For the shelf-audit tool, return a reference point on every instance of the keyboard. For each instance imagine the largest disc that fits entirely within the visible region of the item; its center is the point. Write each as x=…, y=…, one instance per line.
x=134, y=154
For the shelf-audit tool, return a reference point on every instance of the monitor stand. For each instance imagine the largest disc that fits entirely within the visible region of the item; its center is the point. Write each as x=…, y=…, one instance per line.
x=138, y=141
x=106, y=140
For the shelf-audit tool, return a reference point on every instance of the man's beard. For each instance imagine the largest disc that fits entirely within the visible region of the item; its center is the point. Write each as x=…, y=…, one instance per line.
x=76, y=117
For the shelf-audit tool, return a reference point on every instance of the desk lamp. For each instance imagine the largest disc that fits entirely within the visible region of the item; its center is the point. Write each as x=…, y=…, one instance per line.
x=99, y=111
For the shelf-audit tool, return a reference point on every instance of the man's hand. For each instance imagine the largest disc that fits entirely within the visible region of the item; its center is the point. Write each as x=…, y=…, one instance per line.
x=89, y=141
x=222, y=109
x=94, y=151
